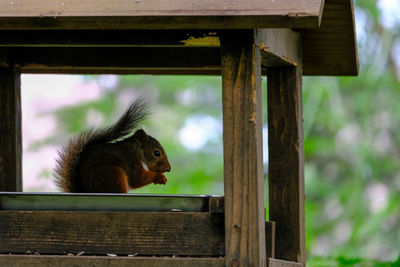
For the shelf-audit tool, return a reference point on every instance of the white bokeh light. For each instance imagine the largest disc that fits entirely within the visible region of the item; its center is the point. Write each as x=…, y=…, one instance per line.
x=390, y=12
x=198, y=130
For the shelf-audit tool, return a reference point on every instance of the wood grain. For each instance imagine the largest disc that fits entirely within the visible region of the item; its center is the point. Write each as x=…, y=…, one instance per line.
x=122, y=233
x=332, y=49
x=242, y=137
x=121, y=8
x=158, y=14
x=34, y=201
x=270, y=239
x=100, y=261
x=10, y=134
x=286, y=162
x=216, y=204
x=279, y=47
x=115, y=60
x=107, y=38
x=281, y=263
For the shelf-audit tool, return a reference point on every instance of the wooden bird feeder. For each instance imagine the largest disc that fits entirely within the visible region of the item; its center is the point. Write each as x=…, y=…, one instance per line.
x=240, y=40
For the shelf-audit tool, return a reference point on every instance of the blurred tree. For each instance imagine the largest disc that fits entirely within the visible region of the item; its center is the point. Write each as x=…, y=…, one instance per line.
x=352, y=146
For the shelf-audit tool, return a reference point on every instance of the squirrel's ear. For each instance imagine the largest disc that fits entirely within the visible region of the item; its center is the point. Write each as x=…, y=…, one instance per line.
x=139, y=143
x=141, y=135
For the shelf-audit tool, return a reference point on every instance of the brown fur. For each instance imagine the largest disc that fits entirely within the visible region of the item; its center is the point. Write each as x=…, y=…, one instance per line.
x=111, y=160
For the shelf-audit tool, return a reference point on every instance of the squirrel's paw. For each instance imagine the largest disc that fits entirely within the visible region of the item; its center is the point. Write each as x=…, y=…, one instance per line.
x=160, y=179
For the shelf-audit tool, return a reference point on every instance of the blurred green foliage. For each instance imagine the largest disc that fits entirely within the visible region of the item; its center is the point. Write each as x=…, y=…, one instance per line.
x=352, y=148
x=173, y=101
x=352, y=144
x=349, y=262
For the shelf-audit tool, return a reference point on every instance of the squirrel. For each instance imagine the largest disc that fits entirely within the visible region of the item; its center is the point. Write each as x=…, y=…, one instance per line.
x=112, y=160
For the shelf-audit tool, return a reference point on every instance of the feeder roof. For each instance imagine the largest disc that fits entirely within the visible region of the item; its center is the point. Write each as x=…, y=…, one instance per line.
x=328, y=32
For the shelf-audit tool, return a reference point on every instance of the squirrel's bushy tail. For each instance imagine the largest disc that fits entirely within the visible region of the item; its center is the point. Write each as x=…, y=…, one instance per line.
x=69, y=157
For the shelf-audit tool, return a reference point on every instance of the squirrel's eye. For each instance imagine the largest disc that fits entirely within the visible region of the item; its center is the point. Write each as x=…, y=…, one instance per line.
x=157, y=153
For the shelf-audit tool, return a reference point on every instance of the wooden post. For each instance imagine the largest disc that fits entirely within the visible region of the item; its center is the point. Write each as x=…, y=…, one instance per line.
x=286, y=162
x=10, y=130
x=243, y=163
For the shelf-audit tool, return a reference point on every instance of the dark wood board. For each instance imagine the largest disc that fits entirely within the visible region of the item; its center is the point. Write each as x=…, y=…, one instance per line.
x=100, y=261
x=115, y=60
x=110, y=261
x=270, y=239
x=122, y=233
x=280, y=263
x=128, y=59
x=286, y=162
x=110, y=202
x=332, y=49
x=107, y=38
x=123, y=71
x=10, y=130
x=156, y=14
x=243, y=162
x=279, y=47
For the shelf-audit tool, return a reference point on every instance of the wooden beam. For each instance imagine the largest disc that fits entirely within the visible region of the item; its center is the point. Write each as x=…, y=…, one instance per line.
x=286, y=162
x=114, y=60
x=100, y=261
x=281, y=263
x=156, y=14
x=270, y=239
x=205, y=60
x=110, y=38
x=279, y=47
x=122, y=233
x=242, y=137
x=122, y=71
x=10, y=134
x=110, y=202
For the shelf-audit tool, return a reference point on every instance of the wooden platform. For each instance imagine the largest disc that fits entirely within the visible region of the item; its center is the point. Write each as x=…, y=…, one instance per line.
x=99, y=261
x=106, y=261
x=171, y=230
x=110, y=202
x=122, y=233
x=99, y=224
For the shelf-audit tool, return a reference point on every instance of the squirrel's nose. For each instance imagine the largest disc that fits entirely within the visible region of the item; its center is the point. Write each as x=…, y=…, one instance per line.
x=168, y=168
